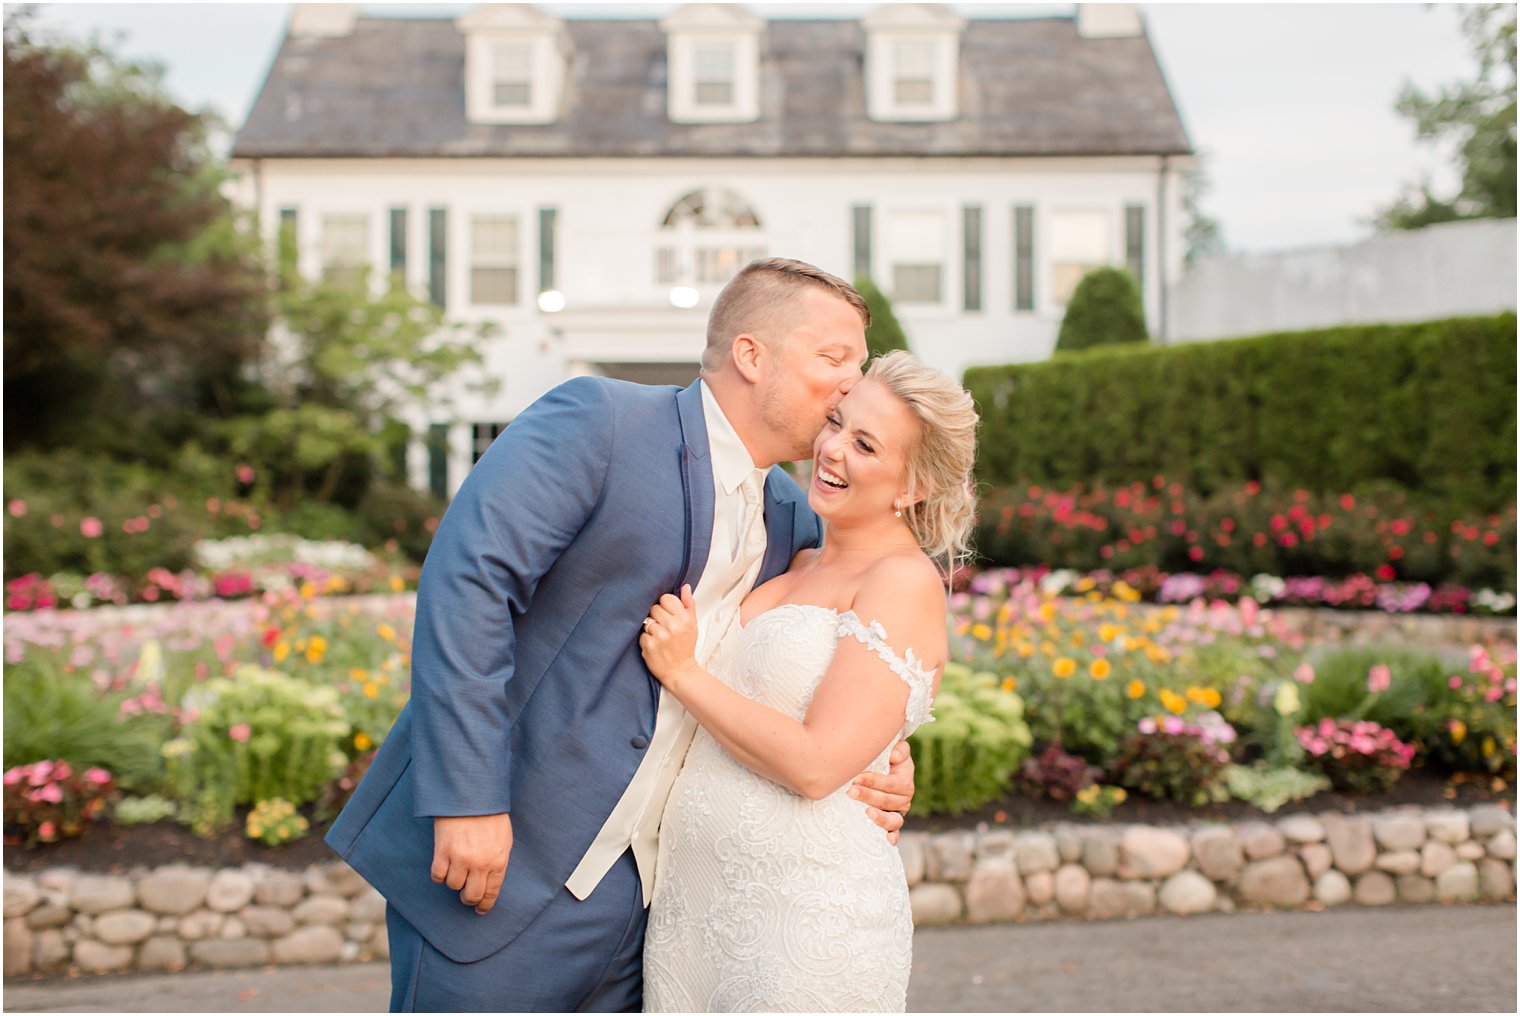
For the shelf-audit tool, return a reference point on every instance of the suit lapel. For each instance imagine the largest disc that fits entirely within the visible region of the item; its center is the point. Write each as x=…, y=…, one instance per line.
x=697, y=484
x=780, y=517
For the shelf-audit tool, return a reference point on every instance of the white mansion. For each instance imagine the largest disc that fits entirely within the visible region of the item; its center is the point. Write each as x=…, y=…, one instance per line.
x=590, y=184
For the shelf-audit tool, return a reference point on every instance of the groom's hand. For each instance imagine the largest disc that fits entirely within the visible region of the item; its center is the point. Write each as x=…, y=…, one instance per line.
x=470, y=856
x=888, y=797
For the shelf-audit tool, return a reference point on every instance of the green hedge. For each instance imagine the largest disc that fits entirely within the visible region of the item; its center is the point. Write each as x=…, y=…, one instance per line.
x=1429, y=407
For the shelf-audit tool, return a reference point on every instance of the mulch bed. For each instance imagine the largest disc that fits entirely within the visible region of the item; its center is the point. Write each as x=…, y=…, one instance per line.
x=106, y=847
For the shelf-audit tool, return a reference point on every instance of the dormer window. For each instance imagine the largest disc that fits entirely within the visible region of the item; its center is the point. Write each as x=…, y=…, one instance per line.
x=912, y=63
x=712, y=54
x=515, y=64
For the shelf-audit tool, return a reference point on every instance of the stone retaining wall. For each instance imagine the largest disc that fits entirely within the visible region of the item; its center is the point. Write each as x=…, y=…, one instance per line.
x=176, y=917
x=1359, y=627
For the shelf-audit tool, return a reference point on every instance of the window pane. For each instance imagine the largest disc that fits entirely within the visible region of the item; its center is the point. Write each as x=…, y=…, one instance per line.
x=1064, y=276
x=714, y=63
x=715, y=93
x=493, y=238
x=493, y=285
x=1023, y=257
x=345, y=248
x=913, y=92
x=512, y=74
x=1079, y=236
x=438, y=246
x=914, y=58
x=513, y=93
x=917, y=233
x=916, y=283
x=1134, y=242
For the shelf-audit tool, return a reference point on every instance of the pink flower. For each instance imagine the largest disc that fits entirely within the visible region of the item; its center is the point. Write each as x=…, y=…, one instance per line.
x=17, y=508
x=47, y=831
x=1379, y=678
x=244, y=473
x=1493, y=694
x=62, y=771
x=240, y=732
x=1454, y=682
x=1304, y=673
x=90, y=527
x=97, y=776
x=50, y=793
x=39, y=773
x=13, y=776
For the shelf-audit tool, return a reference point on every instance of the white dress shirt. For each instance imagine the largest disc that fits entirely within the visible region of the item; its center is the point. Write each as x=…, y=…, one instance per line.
x=635, y=819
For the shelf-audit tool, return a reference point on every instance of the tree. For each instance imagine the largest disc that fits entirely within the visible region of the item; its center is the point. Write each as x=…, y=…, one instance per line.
x=886, y=332
x=349, y=359
x=1478, y=118
x=1203, y=235
x=1105, y=309
x=130, y=295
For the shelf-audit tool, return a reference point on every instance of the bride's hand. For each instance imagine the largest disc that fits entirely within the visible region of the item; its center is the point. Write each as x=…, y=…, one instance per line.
x=669, y=641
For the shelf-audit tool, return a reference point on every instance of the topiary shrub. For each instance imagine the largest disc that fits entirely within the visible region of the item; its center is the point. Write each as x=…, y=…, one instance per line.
x=886, y=332
x=1105, y=310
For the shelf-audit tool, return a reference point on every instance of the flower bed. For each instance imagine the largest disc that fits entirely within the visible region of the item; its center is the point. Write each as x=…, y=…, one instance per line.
x=1358, y=542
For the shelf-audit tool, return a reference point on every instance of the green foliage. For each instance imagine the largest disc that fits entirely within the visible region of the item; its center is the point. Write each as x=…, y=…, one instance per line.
x=1340, y=688
x=1474, y=118
x=1270, y=788
x=1203, y=236
x=143, y=810
x=1429, y=408
x=275, y=822
x=966, y=757
x=52, y=713
x=257, y=736
x=1184, y=768
x=1106, y=309
x=886, y=332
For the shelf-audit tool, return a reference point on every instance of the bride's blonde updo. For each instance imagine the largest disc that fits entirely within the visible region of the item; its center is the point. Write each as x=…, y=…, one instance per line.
x=940, y=464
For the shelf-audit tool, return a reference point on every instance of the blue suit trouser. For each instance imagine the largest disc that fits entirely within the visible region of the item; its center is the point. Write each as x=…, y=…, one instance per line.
x=576, y=956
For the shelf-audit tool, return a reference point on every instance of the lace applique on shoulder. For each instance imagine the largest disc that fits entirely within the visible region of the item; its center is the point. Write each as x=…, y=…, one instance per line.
x=919, y=679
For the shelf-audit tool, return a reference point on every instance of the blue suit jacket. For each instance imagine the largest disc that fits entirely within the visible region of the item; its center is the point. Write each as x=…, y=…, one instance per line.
x=529, y=693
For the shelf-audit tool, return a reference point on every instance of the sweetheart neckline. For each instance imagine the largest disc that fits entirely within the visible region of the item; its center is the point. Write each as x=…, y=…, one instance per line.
x=799, y=606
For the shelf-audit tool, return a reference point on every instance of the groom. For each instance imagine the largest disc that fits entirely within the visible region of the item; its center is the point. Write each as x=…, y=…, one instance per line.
x=510, y=818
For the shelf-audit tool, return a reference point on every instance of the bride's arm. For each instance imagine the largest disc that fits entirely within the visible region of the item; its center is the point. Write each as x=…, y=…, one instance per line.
x=856, y=710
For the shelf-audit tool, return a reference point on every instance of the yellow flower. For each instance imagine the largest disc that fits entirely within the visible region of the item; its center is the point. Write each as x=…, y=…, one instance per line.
x=1048, y=648
x=1458, y=731
x=1286, y=702
x=1173, y=702
x=386, y=632
x=1100, y=670
x=281, y=650
x=1094, y=597
x=1010, y=683
x=335, y=583
x=1088, y=793
x=358, y=674
x=981, y=632
x=1156, y=654
x=1135, y=688
x=1212, y=698
x=1490, y=746
x=1120, y=794
x=1065, y=667
x=317, y=649
x=1005, y=613
x=1195, y=694
x=308, y=590
x=1047, y=611
x=371, y=689
x=397, y=584
x=362, y=741
x=1084, y=584
x=962, y=627
x=1107, y=632
x=1077, y=638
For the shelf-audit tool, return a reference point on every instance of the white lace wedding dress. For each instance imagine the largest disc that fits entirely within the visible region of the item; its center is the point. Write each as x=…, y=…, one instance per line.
x=764, y=900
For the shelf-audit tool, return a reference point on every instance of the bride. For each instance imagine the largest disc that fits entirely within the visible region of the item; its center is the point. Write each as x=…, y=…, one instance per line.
x=774, y=890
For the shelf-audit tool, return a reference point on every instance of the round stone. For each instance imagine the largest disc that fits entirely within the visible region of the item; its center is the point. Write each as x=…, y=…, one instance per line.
x=1447, y=825
x=1375, y=889
x=279, y=889
x=98, y=958
x=1399, y=862
x=21, y=895
x=934, y=903
x=1415, y=889
x=910, y=847
x=1495, y=880
x=322, y=909
x=1260, y=840
x=1301, y=829
x=229, y=891
x=994, y=891
x=1145, y=852
x=162, y=952
x=1488, y=820
x=1037, y=852
x=124, y=927
x=1435, y=857
x=1400, y=831
x=174, y=890
x=1332, y=888
x=1072, y=886
x=1188, y=892
x=1351, y=843
x=316, y=944
x=1274, y=881
x=1502, y=845
x=237, y=952
x=1041, y=887
x=1459, y=882
x=1219, y=853
x=95, y=894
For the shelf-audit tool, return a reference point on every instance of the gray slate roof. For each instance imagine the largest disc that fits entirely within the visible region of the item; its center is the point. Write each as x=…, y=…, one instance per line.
x=395, y=88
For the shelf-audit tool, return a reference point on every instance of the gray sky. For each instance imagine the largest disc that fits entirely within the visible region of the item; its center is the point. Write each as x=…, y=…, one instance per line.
x=1292, y=104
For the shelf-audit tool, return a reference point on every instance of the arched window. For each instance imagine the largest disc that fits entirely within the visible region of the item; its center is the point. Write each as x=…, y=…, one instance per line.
x=705, y=238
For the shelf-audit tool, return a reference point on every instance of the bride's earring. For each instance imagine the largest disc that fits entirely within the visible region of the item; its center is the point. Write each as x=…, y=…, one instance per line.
x=898, y=507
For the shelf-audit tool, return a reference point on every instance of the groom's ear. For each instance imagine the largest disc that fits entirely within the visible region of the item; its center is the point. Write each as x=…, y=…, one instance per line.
x=748, y=354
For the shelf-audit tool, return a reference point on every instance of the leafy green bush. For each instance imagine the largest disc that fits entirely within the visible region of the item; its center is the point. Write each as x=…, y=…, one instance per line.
x=886, y=332
x=1104, y=310
x=1269, y=788
x=51, y=713
x=257, y=736
x=1429, y=408
x=967, y=756
x=1344, y=679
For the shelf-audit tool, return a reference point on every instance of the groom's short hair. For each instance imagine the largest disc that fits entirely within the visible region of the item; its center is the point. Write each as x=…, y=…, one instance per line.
x=761, y=300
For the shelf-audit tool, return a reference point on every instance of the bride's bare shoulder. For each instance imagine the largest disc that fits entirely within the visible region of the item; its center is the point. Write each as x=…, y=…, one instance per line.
x=906, y=575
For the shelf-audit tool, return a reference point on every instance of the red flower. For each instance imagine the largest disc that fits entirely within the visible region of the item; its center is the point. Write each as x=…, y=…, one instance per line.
x=1196, y=553
x=1260, y=539
x=271, y=636
x=1253, y=488
x=1395, y=552
x=1385, y=572
x=1348, y=502
x=1489, y=539
x=1227, y=524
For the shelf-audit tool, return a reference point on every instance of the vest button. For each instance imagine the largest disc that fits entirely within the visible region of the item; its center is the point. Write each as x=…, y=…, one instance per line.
x=640, y=742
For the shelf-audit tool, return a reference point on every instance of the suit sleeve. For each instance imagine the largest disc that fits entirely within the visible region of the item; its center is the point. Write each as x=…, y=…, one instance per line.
x=521, y=506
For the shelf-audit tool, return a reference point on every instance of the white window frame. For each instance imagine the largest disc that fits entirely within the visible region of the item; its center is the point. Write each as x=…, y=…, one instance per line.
x=1063, y=251
x=924, y=50
x=705, y=252
x=897, y=251
x=509, y=258
x=884, y=53
x=514, y=56
x=545, y=77
x=353, y=259
x=728, y=78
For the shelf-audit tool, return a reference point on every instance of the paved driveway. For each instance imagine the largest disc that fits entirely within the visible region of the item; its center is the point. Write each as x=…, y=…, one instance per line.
x=1351, y=959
